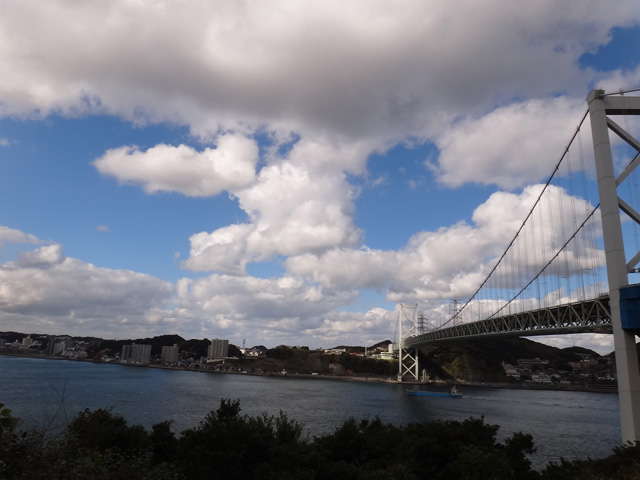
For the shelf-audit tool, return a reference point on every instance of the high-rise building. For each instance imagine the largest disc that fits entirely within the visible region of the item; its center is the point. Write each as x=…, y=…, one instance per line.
x=56, y=346
x=140, y=354
x=169, y=354
x=136, y=353
x=126, y=354
x=218, y=349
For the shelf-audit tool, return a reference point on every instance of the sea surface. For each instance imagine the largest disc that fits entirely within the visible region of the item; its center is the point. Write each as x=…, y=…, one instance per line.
x=48, y=393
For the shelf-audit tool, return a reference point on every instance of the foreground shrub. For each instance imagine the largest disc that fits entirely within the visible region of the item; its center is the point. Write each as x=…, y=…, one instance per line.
x=434, y=450
x=228, y=445
x=624, y=464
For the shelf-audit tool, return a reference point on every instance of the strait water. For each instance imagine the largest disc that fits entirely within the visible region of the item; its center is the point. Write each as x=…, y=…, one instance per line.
x=50, y=392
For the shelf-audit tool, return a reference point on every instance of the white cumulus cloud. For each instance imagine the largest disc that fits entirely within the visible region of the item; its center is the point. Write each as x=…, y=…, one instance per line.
x=451, y=262
x=291, y=212
x=509, y=147
x=44, y=291
x=231, y=165
x=42, y=257
x=329, y=83
x=271, y=309
x=11, y=235
x=224, y=250
x=369, y=69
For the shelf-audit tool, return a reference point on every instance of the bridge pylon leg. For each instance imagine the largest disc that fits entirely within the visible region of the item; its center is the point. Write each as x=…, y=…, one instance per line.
x=408, y=363
x=628, y=371
x=407, y=357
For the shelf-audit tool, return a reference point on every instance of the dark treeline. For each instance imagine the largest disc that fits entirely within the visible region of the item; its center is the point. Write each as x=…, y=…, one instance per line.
x=227, y=445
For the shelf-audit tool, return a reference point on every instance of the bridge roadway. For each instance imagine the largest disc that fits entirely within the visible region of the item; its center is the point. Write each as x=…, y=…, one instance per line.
x=586, y=316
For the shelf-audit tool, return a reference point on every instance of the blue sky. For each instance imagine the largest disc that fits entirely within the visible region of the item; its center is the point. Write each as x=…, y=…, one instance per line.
x=273, y=172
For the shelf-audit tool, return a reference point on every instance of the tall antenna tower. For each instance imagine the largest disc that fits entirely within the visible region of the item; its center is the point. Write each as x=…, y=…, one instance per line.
x=455, y=308
x=421, y=319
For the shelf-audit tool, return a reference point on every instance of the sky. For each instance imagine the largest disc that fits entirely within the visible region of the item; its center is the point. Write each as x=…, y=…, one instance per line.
x=280, y=172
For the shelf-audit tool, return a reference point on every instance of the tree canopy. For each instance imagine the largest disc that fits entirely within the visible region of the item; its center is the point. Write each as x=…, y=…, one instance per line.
x=101, y=444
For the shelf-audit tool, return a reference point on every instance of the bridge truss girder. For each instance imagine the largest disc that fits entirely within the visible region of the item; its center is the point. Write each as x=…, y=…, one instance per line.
x=590, y=316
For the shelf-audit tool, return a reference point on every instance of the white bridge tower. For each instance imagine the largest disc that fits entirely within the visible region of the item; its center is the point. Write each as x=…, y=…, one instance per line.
x=624, y=298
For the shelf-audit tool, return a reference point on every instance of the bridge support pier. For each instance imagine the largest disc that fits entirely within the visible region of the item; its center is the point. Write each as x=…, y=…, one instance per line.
x=408, y=363
x=407, y=327
x=628, y=371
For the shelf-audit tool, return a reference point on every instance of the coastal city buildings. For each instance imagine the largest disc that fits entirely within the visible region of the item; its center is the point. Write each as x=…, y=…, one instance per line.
x=169, y=354
x=126, y=354
x=56, y=348
x=140, y=354
x=257, y=351
x=538, y=371
x=136, y=354
x=584, y=368
x=218, y=349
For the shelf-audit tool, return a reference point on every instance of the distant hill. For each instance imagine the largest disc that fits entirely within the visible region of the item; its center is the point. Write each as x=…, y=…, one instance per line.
x=480, y=360
x=581, y=351
x=359, y=349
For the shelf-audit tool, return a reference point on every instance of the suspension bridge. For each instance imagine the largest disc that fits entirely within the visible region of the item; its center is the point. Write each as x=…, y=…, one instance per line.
x=566, y=269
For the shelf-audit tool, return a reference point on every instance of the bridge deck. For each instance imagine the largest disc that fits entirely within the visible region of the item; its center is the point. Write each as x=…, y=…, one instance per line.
x=587, y=316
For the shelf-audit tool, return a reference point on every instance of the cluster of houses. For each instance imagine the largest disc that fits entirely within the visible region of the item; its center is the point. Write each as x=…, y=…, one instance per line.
x=140, y=354
x=64, y=347
x=131, y=354
x=379, y=353
x=587, y=370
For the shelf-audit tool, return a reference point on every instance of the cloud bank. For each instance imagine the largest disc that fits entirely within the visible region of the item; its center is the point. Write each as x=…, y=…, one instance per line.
x=285, y=102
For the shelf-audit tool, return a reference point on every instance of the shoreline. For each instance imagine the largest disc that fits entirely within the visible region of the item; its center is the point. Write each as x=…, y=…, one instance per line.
x=355, y=378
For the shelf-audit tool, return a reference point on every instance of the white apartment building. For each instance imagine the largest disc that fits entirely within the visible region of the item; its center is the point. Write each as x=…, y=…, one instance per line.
x=218, y=349
x=136, y=354
x=169, y=354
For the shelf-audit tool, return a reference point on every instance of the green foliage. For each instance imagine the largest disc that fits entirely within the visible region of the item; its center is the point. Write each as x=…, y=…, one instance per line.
x=226, y=444
x=435, y=450
x=7, y=421
x=363, y=366
x=101, y=430
x=234, y=351
x=480, y=360
x=457, y=368
x=18, y=450
x=195, y=348
x=624, y=464
x=163, y=443
x=229, y=445
x=279, y=353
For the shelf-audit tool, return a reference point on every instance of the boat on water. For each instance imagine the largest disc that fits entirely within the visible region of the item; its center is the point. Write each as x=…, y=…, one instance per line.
x=425, y=393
